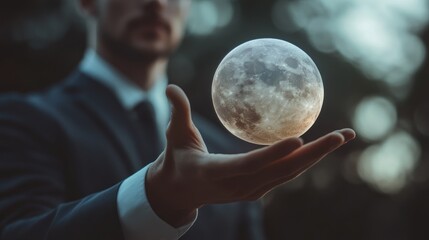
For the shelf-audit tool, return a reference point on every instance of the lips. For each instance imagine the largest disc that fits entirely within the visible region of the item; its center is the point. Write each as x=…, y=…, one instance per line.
x=151, y=24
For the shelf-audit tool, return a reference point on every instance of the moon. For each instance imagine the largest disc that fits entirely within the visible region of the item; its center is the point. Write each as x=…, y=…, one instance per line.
x=266, y=90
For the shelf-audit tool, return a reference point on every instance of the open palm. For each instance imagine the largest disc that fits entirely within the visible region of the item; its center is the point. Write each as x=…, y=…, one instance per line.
x=186, y=176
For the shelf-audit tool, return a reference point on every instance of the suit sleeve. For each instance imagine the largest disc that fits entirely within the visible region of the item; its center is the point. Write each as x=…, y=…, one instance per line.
x=33, y=187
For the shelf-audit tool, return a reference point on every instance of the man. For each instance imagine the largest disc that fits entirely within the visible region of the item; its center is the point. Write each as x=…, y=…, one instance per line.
x=75, y=161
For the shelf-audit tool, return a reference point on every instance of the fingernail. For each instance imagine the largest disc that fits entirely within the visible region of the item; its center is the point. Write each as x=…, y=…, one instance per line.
x=349, y=136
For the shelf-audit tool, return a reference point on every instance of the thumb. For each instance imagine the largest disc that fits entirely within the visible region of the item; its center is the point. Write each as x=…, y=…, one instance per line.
x=181, y=109
x=181, y=131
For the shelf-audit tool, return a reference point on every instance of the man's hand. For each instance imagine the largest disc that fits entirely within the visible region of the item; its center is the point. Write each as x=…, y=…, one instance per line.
x=186, y=177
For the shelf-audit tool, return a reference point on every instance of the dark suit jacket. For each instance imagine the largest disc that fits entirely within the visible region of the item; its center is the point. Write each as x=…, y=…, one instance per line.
x=63, y=155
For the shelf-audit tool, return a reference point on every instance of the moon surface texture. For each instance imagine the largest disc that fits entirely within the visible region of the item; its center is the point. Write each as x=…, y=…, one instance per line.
x=266, y=90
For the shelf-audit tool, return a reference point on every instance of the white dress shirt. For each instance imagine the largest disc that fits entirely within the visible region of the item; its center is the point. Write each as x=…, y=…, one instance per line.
x=137, y=218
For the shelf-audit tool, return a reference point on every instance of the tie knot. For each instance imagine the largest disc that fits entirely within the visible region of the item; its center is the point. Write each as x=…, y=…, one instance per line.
x=145, y=110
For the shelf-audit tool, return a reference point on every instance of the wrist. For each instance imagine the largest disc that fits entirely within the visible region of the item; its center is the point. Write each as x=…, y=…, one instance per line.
x=163, y=199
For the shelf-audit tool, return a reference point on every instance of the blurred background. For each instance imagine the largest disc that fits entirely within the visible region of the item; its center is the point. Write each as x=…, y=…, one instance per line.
x=372, y=55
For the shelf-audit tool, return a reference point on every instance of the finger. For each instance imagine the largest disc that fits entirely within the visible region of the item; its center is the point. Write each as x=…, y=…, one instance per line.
x=301, y=160
x=292, y=165
x=316, y=149
x=247, y=163
x=308, y=155
x=181, y=112
x=349, y=134
x=258, y=159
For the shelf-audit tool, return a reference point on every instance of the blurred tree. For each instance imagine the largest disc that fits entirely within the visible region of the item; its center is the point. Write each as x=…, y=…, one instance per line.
x=41, y=41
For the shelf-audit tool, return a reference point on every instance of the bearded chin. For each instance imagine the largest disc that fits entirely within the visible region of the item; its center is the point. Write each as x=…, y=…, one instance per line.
x=127, y=51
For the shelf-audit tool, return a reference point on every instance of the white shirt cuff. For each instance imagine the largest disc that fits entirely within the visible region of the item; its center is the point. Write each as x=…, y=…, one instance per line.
x=137, y=217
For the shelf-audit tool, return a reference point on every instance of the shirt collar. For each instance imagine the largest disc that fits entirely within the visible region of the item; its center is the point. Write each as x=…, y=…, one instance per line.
x=128, y=93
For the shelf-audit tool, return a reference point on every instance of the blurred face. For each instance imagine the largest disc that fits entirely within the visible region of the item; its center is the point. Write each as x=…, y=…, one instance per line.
x=140, y=28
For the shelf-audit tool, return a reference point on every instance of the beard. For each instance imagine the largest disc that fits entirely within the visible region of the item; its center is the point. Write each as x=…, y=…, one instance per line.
x=125, y=50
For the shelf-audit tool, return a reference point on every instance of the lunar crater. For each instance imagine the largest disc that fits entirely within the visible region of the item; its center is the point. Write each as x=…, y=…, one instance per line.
x=266, y=90
x=292, y=62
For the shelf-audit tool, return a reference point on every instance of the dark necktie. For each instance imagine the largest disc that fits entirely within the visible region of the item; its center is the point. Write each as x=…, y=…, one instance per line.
x=149, y=143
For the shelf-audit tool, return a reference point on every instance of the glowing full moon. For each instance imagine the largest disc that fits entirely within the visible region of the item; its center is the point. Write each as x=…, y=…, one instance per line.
x=266, y=90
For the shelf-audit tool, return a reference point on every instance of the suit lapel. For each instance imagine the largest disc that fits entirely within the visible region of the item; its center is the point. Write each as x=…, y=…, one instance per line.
x=100, y=102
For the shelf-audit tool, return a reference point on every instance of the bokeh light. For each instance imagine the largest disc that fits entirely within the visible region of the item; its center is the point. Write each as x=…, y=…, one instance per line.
x=207, y=16
x=387, y=166
x=379, y=37
x=371, y=55
x=374, y=118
